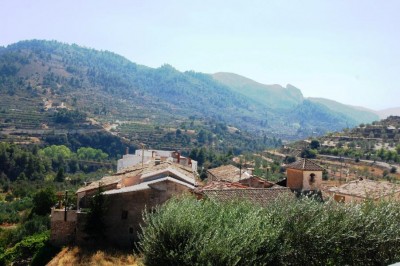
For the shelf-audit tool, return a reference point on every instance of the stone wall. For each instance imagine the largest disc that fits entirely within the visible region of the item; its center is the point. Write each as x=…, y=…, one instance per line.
x=122, y=220
x=62, y=231
x=124, y=214
x=308, y=183
x=294, y=179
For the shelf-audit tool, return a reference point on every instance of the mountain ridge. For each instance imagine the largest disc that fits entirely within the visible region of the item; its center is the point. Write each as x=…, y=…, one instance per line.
x=384, y=113
x=261, y=92
x=111, y=88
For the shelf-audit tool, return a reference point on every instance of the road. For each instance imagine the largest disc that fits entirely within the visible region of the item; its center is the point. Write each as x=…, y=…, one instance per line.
x=382, y=164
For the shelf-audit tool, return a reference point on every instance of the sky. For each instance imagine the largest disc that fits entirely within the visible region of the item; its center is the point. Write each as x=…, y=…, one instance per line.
x=344, y=50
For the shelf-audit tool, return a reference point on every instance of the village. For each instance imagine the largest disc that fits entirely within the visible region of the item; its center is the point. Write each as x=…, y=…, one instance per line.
x=149, y=178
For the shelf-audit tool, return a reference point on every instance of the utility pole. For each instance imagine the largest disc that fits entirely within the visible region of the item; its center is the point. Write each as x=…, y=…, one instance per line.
x=65, y=205
x=142, y=153
x=341, y=166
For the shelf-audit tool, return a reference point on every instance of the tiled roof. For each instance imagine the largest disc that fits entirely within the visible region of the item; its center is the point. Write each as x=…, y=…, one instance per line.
x=366, y=188
x=228, y=173
x=223, y=185
x=105, y=181
x=151, y=167
x=255, y=180
x=305, y=164
x=261, y=196
x=138, y=170
x=146, y=185
x=170, y=171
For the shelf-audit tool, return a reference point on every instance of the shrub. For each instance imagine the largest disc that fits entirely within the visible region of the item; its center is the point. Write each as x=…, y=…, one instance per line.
x=35, y=225
x=393, y=170
x=43, y=200
x=288, y=232
x=25, y=249
x=212, y=234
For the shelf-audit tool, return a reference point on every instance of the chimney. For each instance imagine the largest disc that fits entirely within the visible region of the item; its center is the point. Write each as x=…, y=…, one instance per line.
x=127, y=150
x=157, y=160
x=179, y=157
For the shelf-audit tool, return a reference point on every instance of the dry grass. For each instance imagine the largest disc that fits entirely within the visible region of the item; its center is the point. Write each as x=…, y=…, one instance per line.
x=80, y=256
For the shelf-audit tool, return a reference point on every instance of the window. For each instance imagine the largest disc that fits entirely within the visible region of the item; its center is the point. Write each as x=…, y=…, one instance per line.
x=312, y=178
x=130, y=230
x=124, y=215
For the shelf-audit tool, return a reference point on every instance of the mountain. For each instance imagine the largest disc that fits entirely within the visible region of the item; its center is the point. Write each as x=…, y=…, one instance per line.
x=388, y=112
x=52, y=86
x=358, y=114
x=274, y=96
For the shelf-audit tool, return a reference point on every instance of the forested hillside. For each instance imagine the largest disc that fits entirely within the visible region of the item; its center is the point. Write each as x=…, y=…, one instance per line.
x=47, y=86
x=291, y=98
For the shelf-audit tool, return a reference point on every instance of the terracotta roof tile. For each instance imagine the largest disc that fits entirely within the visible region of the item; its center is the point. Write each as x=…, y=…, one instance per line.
x=255, y=180
x=138, y=170
x=105, y=181
x=261, y=196
x=305, y=164
x=228, y=173
x=366, y=188
x=223, y=185
x=147, y=185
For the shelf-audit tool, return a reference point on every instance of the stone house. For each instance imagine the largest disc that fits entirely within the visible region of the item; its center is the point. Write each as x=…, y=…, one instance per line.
x=226, y=191
x=304, y=175
x=228, y=173
x=256, y=182
x=365, y=189
x=128, y=193
x=145, y=156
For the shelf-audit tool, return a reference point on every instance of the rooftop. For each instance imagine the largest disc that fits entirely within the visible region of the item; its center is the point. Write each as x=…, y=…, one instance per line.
x=146, y=185
x=366, y=188
x=256, y=181
x=305, y=165
x=147, y=170
x=228, y=173
x=213, y=185
x=261, y=196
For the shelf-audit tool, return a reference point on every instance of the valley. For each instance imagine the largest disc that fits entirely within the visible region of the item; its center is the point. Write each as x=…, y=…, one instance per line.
x=47, y=77
x=69, y=113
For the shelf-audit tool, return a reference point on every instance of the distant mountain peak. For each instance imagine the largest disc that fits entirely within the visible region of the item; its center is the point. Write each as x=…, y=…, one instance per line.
x=273, y=95
x=109, y=86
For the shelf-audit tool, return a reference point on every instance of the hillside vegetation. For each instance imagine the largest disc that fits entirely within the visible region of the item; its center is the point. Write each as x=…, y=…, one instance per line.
x=291, y=98
x=287, y=232
x=100, y=89
x=358, y=114
x=274, y=96
x=379, y=141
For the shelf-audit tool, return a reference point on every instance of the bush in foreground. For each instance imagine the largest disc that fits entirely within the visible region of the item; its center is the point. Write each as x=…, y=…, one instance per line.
x=185, y=231
x=33, y=250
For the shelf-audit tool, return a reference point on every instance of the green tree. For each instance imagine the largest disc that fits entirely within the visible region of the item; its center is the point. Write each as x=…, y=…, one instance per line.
x=56, y=151
x=314, y=144
x=290, y=159
x=88, y=153
x=201, y=156
x=95, y=223
x=43, y=200
x=393, y=170
x=202, y=136
x=60, y=175
x=309, y=153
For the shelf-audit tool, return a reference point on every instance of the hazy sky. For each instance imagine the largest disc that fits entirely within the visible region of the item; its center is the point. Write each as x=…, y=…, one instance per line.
x=344, y=50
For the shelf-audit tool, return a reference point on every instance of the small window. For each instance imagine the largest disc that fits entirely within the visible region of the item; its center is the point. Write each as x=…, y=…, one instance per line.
x=130, y=230
x=312, y=178
x=124, y=215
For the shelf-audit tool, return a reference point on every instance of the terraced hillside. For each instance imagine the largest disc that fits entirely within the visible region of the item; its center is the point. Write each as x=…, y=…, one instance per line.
x=51, y=87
